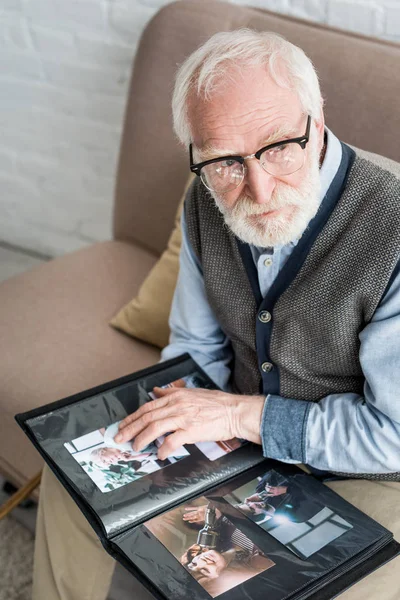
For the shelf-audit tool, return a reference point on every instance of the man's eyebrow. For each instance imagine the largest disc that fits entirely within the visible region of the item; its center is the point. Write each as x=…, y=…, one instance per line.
x=280, y=133
x=208, y=151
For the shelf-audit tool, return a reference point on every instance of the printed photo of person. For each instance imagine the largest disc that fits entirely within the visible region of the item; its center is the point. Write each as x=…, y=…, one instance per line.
x=209, y=546
x=212, y=450
x=289, y=512
x=111, y=465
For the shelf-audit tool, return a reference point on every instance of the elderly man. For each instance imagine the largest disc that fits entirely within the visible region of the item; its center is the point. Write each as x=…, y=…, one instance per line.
x=288, y=296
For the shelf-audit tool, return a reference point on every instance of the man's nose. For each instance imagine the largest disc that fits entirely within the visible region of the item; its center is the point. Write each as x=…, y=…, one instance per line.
x=259, y=183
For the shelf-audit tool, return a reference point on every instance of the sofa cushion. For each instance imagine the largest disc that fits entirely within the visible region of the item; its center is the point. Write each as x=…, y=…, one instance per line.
x=56, y=340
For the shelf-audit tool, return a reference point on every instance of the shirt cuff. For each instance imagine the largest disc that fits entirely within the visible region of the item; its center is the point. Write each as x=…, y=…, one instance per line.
x=283, y=429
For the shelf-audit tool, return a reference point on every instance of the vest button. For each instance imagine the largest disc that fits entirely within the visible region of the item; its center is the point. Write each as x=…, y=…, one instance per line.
x=267, y=367
x=264, y=316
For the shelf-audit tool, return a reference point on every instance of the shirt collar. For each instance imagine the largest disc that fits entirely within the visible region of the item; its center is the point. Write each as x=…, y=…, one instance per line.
x=332, y=160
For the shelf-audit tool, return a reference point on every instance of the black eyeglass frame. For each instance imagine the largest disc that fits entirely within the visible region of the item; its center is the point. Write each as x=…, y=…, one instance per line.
x=302, y=141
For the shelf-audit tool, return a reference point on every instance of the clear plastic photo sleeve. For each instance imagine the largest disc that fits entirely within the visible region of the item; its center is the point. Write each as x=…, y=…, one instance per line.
x=113, y=485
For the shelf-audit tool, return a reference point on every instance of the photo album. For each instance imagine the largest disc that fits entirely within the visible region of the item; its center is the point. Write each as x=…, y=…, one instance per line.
x=214, y=519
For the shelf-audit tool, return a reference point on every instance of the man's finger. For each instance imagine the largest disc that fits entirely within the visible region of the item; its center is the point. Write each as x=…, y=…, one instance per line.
x=172, y=442
x=139, y=425
x=146, y=408
x=190, y=514
x=155, y=430
x=195, y=519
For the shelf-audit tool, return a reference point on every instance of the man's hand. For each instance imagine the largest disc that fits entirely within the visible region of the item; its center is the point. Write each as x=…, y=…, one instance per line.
x=190, y=416
x=197, y=514
x=276, y=490
x=253, y=498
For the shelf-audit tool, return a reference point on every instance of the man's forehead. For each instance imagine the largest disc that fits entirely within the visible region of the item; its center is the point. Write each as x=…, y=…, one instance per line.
x=267, y=135
x=251, y=104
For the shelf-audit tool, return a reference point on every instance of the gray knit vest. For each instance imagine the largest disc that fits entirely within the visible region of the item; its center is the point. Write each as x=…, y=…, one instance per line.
x=324, y=296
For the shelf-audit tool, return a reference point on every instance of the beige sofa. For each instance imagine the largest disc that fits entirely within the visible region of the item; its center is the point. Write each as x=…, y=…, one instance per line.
x=54, y=334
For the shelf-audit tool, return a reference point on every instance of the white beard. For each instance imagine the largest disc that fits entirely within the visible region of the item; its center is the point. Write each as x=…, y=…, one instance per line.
x=281, y=228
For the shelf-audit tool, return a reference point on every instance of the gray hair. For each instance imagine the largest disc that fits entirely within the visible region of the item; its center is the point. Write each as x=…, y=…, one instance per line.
x=207, y=68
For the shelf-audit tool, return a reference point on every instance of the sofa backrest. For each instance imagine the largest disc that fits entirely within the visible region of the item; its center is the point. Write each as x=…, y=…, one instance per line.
x=360, y=81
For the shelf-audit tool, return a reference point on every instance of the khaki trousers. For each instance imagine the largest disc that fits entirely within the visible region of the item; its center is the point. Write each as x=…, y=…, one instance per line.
x=71, y=564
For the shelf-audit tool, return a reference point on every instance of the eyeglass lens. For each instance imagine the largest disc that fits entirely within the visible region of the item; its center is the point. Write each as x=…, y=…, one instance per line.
x=226, y=175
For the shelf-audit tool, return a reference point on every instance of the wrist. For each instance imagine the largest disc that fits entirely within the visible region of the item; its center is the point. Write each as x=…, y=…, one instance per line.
x=248, y=418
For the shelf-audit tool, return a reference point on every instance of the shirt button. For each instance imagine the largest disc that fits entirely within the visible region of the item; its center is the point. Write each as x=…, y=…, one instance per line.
x=267, y=367
x=264, y=316
x=268, y=262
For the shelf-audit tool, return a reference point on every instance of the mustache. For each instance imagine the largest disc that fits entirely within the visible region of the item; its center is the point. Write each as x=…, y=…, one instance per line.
x=280, y=198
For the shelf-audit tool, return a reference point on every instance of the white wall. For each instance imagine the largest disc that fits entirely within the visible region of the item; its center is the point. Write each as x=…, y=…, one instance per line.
x=64, y=70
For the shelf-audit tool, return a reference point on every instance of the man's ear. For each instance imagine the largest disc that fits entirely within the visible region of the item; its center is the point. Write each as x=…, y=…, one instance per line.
x=320, y=127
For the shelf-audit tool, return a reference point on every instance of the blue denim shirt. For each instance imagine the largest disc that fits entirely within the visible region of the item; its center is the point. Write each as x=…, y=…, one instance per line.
x=342, y=432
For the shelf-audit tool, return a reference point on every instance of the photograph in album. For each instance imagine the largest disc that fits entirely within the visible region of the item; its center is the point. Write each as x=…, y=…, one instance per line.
x=286, y=510
x=111, y=465
x=216, y=553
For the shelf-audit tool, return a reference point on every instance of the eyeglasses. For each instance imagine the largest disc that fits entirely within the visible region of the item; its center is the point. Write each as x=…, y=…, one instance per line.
x=225, y=173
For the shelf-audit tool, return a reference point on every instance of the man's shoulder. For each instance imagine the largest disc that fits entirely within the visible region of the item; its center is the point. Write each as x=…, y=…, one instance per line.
x=383, y=163
x=199, y=214
x=372, y=193
x=196, y=192
x=200, y=208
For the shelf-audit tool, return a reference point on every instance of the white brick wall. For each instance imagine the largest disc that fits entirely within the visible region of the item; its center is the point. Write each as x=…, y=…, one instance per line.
x=64, y=72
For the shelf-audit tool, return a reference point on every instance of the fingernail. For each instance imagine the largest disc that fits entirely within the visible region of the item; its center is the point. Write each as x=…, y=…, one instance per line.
x=118, y=437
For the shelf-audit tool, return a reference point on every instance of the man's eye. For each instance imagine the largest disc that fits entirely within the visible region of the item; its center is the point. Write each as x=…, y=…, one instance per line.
x=279, y=149
x=226, y=164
